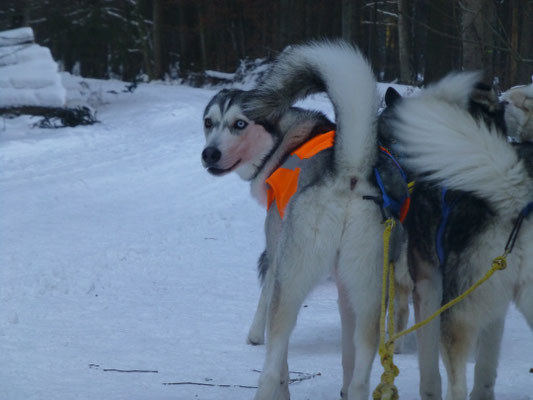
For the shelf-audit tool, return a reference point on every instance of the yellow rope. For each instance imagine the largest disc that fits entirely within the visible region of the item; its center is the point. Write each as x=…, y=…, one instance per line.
x=499, y=263
x=386, y=390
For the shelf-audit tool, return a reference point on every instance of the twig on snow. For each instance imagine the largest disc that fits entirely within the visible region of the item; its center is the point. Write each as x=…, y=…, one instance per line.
x=136, y=371
x=302, y=376
x=208, y=384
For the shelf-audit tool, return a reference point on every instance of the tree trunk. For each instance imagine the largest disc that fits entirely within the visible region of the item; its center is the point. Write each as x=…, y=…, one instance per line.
x=157, y=16
x=525, y=68
x=284, y=12
x=184, y=60
x=472, y=37
x=477, y=35
x=201, y=31
x=439, y=46
x=404, y=48
x=514, y=43
x=144, y=38
x=347, y=19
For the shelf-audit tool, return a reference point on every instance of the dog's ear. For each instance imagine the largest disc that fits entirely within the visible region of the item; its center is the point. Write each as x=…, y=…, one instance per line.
x=392, y=96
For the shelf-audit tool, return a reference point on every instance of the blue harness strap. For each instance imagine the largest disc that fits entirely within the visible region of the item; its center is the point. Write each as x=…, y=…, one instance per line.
x=527, y=210
x=389, y=204
x=446, y=211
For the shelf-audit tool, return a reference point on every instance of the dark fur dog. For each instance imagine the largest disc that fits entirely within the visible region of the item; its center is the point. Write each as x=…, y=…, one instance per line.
x=471, y=186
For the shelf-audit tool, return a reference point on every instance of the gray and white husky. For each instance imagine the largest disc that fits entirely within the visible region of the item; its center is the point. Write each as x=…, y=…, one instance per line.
x=468, y=171
x=235, y=142
x=329, y=227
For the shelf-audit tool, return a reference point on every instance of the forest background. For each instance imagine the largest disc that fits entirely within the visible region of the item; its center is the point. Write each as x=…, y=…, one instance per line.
x=408, y=41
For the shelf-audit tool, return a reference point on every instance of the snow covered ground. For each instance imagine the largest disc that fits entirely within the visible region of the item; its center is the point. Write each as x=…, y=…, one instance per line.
x=118, y=252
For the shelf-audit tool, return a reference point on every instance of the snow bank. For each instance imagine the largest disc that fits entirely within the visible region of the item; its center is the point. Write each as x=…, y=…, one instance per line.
x=16, y=36
x=28, y=74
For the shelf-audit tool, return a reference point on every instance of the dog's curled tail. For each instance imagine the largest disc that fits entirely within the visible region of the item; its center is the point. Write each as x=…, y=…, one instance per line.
x=442, y=142
x=341, y=71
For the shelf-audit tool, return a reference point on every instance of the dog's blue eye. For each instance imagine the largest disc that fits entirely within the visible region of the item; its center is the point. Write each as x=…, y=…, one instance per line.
x=240, y=124
x=208, y=123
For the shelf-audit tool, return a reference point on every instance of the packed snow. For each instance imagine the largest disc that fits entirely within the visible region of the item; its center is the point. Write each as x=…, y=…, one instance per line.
x=28, y=74
x=128, y=272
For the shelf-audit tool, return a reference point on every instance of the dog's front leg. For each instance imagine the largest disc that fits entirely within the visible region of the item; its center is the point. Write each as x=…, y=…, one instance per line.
x=256, y=334
x=293, y=283
x=283, y=311
x=280, y=325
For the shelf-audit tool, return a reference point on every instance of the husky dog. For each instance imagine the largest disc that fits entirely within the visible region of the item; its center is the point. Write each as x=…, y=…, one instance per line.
x=235, y=142
x=457, y=229
x=329, y=226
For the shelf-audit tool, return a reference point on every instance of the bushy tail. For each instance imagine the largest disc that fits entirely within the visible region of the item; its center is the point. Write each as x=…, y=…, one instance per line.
x=344, y=74
x=442, y=142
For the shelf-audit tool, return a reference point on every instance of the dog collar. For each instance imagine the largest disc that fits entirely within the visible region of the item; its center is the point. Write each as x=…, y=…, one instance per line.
x=283, y=182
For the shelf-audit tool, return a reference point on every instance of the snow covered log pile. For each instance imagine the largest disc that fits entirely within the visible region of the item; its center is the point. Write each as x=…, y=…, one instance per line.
x=29, y=76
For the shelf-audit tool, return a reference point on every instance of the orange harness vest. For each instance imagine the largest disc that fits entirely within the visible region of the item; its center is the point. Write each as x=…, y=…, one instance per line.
x=283, y=182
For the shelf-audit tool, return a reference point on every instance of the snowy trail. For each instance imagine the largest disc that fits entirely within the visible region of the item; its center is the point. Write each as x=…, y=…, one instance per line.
x=118, y=251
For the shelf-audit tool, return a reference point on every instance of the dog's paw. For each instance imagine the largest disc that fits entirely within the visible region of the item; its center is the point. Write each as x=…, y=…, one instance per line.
x=256, y=334
x=270, y=388
x=255, y=340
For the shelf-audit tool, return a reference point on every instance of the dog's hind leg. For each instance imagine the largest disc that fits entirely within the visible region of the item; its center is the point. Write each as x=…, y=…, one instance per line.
x=401, y=314
x=427, y=299
x=487, y=354
x=457, y=339
x=347, y=314
x=524, y=297
x=361, y=280
x=404, y=288
x=366, y=340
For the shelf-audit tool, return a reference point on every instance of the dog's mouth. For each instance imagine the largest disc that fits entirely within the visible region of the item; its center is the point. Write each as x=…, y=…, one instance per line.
x=220, y=171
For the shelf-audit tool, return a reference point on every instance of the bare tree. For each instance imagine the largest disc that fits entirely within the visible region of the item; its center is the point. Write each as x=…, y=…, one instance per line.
x=347, y=11
x=157, y=21
x=439, y=51
x=525, y=65
x=477, y=18
x=404, y=48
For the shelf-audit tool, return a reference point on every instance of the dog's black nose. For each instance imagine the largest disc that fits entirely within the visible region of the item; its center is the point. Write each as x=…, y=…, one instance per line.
x=211, y=155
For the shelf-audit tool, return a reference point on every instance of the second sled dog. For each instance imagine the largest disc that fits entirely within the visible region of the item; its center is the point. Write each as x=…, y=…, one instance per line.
x=473, y=185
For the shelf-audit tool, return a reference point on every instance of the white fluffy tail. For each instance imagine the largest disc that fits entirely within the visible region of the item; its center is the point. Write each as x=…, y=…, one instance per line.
x=444, y=143
x=343, y=72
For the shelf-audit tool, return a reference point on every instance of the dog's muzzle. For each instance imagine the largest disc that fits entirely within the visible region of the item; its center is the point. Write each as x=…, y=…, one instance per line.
x=211, y=155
